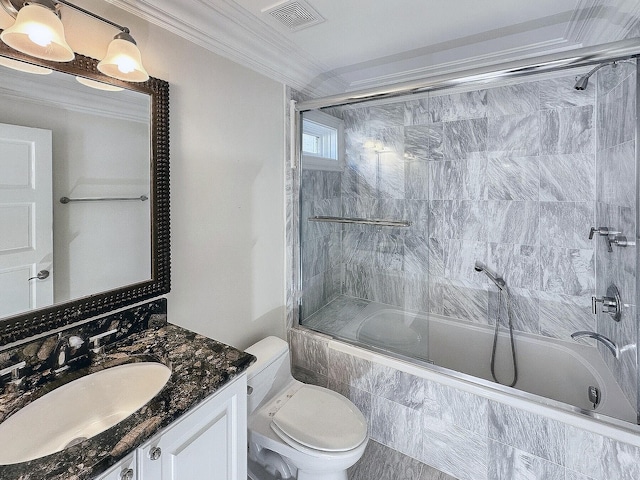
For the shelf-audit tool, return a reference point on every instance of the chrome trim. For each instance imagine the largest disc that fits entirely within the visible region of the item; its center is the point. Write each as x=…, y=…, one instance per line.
x=96, y=340
x=600, y=338
x=363, y=221
x=13, y=370
x=580, y=57
x=66, y=200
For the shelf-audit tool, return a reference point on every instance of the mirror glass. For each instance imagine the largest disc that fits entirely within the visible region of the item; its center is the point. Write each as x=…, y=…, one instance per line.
x=84, y=193
x=74, y=189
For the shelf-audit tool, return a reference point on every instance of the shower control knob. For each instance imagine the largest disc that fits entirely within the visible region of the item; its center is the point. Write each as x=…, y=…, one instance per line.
x=619, y=241
x=604, y=231
x=611, y=304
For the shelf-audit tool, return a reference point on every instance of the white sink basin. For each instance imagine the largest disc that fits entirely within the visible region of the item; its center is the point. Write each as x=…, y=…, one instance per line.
x=78, y=410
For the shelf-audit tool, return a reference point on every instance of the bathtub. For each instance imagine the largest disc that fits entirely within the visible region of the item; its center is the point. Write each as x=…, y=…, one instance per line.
x=557, y=370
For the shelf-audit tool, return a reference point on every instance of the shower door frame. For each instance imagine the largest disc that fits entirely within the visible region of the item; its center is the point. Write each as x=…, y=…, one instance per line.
x=482, y=76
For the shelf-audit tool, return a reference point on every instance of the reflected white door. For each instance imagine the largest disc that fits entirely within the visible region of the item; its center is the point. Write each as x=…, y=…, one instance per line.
x=26, y=218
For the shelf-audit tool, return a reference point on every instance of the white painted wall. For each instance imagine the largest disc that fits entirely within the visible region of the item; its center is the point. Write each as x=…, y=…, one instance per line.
x=227, y=192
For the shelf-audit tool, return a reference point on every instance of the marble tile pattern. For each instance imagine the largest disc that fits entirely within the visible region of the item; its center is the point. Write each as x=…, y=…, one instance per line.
x=505, y=175
x=200, y=366
x=420, y=425
x=513, y=176
x=616, y=208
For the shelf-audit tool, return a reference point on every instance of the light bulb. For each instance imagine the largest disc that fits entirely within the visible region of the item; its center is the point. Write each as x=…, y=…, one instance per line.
x=40, y=35
x=125, y=64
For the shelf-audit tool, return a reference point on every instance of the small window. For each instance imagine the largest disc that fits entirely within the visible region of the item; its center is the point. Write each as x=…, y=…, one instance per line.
x=322, y=141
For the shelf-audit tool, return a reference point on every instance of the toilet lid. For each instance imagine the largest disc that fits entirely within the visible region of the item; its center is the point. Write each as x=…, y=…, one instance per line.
x=320, y=419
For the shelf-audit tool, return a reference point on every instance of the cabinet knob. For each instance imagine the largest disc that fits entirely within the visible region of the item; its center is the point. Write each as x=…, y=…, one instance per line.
x=126, y=474
x=154, y=453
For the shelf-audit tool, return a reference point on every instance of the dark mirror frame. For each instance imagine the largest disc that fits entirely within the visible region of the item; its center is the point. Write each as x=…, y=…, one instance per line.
x=45, y=319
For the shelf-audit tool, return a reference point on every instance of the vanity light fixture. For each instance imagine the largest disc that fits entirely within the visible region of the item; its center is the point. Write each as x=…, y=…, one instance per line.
x=38, y=31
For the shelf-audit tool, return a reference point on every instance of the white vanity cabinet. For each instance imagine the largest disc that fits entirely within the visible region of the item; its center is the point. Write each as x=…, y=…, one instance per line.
x=125, y=469
x=207, y=443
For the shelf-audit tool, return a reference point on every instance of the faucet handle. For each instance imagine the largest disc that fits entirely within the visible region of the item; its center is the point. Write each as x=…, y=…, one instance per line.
x=604, y=231
x=619, y=241
x=611, y=303
x=14, y=370
x=96, y=340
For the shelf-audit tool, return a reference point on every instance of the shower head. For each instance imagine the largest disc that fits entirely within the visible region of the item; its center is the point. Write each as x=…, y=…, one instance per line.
x=583, y=81
x=497, y=280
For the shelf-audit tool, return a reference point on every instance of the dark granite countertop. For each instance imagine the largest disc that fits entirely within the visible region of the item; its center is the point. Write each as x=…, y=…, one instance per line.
x=200, y=366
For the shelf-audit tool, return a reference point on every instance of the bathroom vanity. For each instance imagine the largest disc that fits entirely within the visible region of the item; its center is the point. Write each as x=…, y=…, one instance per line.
x=195, y=427
x=207, y=442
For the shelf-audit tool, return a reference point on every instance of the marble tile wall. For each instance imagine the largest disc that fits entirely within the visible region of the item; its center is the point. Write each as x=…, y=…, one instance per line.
x=616, y=209
x=505, y=175
x=321, y=243
x=421, y=428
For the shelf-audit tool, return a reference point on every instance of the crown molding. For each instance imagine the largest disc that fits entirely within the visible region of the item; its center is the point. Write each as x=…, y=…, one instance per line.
x=228, y=30
x=64, y=92
x=594, y=21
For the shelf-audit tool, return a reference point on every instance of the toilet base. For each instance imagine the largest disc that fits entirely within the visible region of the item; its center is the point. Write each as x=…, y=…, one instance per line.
x=342, y=475
x=265, y=464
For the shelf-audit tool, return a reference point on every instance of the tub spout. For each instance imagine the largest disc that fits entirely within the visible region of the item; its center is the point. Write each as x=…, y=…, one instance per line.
x=600, y=338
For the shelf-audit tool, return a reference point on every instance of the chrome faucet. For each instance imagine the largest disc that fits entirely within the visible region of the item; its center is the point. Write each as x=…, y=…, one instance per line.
x=65, y=350
x=600, y=338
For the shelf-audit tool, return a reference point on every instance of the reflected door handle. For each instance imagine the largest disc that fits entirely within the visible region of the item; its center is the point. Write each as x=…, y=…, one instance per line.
x=42, y=274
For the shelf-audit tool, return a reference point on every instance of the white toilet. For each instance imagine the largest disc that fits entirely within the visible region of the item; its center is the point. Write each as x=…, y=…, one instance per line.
x=297, y=431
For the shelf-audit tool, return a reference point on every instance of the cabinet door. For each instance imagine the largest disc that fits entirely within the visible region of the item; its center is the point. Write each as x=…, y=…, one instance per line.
x=208, y=443
x=125, y=469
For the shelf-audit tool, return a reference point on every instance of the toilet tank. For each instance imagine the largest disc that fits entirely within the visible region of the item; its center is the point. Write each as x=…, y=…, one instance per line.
x=270, y=373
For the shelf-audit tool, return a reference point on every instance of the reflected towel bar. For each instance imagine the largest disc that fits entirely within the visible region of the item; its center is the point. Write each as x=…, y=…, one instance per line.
x=362, y=221
x=141, y=198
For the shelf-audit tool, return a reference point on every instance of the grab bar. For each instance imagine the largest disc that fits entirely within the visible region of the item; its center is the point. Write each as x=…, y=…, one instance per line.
x=65, y=200
x=601, y=338
x=363, y=221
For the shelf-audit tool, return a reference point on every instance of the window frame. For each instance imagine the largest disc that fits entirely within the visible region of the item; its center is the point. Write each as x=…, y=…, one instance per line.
x=324, y=162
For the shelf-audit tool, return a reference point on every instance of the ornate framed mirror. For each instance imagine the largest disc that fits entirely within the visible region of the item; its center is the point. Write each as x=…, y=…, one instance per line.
x=96, y=240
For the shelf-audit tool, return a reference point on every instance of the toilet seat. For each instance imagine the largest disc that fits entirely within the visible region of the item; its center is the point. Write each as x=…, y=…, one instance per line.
x=319, y=419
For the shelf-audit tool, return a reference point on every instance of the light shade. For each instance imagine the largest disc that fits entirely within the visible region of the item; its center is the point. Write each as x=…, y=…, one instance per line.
x=123, y=60
x=98, y=85
x=24, y=67
x=38, y=32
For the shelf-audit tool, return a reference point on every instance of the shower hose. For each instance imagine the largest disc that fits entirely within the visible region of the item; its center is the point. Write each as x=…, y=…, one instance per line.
x=505, y=293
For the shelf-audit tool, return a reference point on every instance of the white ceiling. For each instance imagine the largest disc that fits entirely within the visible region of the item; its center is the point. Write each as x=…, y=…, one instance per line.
x=368, y=43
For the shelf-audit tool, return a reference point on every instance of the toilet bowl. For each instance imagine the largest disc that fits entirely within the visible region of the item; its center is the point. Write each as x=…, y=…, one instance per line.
x=295, y=430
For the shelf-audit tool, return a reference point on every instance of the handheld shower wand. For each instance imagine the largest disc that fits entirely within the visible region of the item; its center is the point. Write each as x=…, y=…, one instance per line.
x=494, y=277
x=504, y=292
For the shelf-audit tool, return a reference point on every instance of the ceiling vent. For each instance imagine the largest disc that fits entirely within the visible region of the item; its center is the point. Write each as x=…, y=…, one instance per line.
x=295, y=15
